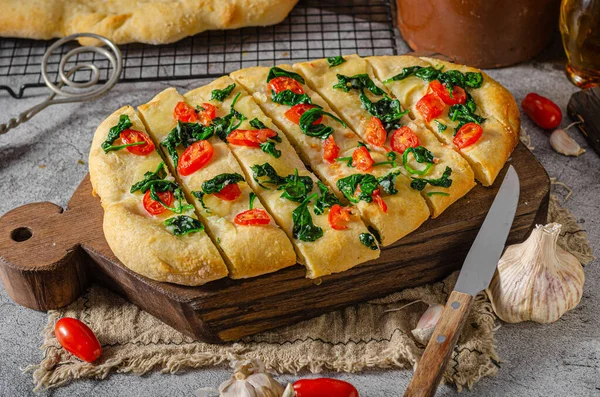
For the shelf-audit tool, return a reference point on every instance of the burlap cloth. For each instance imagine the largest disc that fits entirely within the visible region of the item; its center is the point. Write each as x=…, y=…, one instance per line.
x=352, y=339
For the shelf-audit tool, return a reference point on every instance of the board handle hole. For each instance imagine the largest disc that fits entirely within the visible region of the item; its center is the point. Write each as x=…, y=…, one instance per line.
x=21, y=234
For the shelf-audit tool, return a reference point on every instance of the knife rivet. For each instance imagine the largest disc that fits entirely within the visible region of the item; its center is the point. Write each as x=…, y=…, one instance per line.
x=455, y=305
x=440, y=339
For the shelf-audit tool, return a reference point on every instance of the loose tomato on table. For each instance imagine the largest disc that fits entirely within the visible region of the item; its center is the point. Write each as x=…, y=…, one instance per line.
x=252, y=138
x=298, y=110
x=185, y=113
x=78, y=339
x=256, y=216
x=467, y=135
x=377, y=198
x=196, y=156
x=542, y=111
x=361, y=159
x=324, y=387
x=376, y=134
x=430, y=106
x=229, y=192
x=154, y=207
x=130, y=136
x=338, y=217
x=458, y=94
x=331, y=150
x=404, y=138
x=279, y=84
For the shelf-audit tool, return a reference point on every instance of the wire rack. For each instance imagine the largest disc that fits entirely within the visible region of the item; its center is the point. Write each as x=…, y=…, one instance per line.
x=314, y=29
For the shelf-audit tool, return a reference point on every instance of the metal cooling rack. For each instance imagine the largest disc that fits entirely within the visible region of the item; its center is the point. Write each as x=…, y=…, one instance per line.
x=314, y=29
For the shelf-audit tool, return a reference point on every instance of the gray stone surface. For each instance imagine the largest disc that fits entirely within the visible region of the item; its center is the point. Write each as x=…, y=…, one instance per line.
x=45, y=159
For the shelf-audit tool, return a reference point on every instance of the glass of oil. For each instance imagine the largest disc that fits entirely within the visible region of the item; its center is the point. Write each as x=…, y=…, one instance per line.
x=580, y=30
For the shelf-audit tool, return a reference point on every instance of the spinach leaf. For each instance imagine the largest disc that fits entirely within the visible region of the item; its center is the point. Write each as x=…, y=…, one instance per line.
x=200, y=196
x=387, y=110
x=473, y=79
x=368, y=240
x=278, y=72
x=441, y=127
x=357, y=82
x=155, y=183
x=428, y=73
x=391, y=155
x=266, y=170
x=463, y=115
x=316, y=130
x=269, y=147
x=216, y=184
x=149, y=178
x=222, y=126
x=335, y=61
x=182, y=224
x=375, y=233
x=349, y=185
x=256, y=123
x=443, y=181
x=296, y=188
x=115, y=132
x=251, y=199
x=220, y=95
x=326, y=200
x=406, y=72
x=422, y=155
x=304, y=229
x=429, y=194
x=388, y=182
x=289, y=98
x=450, y=78
x=185, y=134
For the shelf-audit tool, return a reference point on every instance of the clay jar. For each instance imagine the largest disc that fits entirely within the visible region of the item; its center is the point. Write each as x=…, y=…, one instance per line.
x=480, y=33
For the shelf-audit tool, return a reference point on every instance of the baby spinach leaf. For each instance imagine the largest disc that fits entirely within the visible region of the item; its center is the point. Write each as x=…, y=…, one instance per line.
x=335, y=61
x=304, y=229
x=368, y=240
x=296, y=188
x=185, y=134
x=278, y=72
x=357, y=82
x=289, y=98
x=251, y=199
x=443, y=181
x=269, y=147
x=182, y=224
x=473, y=79
x=326, y=200
x=463, y=115
x=441, y=127
x=406, y=72
x=422, y=155
x=115, y=132
x=150, y=177
x=216, y=184
x=220, y=95
x=200, y=196
x=316, y=130
x=428, y=73
x=388, y=182
x=266, y=170
x=256, y=123
x=388, y=110
x=349, y=185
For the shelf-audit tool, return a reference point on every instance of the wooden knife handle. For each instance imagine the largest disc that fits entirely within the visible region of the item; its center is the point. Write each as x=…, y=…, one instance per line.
x=431, y=367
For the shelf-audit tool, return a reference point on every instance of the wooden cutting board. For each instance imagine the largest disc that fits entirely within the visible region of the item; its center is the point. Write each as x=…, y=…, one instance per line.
x=49, y=256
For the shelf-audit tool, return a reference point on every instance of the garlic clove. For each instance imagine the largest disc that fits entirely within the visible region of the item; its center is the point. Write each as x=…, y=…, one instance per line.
x=427, y=323
x=561, y=142
x=250, y=379
x=536, y=280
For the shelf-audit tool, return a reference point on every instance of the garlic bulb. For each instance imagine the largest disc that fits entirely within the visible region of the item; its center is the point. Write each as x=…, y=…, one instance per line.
x=250, y=380
x=427, y=323
x=536, y=280
x=561, y=142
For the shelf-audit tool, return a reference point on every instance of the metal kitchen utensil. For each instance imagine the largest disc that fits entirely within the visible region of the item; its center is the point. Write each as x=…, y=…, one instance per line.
x=475, y=275
x=114, y=57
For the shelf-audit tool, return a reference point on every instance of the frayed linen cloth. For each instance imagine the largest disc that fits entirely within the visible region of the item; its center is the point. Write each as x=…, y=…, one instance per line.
x=348, y=340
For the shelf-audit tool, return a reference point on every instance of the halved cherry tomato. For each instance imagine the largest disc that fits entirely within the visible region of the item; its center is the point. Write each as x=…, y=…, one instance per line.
x=542, y=111
x=403, y=138
x=252, y=138
x=377, y=198
x=298, y=110
x=229, y=192
x=154, y=207
x=194, y=157
x=207, y=113
x=185, y=113
x=376, y=134
x=458, y=94
x=279, y=84
x=331, y=150
x=430, y=106
x=361, y=159
x=338, y=216
x=78, y=339
x=324, y=387
x=129, y=136
x=468, y=135
x=256, y=216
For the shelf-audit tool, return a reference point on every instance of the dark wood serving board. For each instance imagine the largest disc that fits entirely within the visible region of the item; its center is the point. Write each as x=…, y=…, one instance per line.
x=49, y=256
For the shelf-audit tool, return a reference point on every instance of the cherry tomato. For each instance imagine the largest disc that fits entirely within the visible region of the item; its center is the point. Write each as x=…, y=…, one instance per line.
x=458, y=94
x=78, y=339
x=297, y=111
x=430, y=106
x=468, y=135
x=129, y=136
x=542, y=111
x=252, y=138
x=324, y=387
x=338, y=216
x=256, y=216
x=194, y=157
x=154, y=207
x=229, y=192
x=279, y=84
x=403, y=138
x=377, y=198
x=376, y=134
x=207, y=113
x=331, y=150
x=361, y=159
x=185, y=113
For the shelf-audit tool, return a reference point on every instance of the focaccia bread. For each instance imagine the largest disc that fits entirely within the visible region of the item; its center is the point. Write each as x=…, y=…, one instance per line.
x=151, y=21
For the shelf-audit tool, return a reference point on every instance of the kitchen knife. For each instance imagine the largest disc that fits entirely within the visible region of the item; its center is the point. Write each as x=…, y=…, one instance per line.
x=476, y=274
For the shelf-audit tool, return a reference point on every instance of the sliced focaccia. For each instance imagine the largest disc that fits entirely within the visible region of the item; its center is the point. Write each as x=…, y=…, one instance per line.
x=479, y=118
x=148, y=224
x=328, y=237
x=328, y=147
x=431, y=168
x=212, y=177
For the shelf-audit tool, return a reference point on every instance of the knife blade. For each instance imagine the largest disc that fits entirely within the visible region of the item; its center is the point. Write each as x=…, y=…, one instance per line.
x=476, y=274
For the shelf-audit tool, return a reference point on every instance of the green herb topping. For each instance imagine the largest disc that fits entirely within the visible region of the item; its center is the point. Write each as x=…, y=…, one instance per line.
x=422, y=155
x=251, y=199
x=295, y=188
x=185, y=134
x=216, y=184
x=386, y=109
x=115, y=132
x=388, y=182
x=181, y=225
x=335, y=61
x=441, y=127
x=220, y=95
x=266, y=170
x=267, y=147
x=224, y=125
x=289, y=98
x=464, y=114
x=326, y=200
x=316, y=130
x=304, y=229
x=429, y=194
x=443, y=181
x=450, y=77
x=278, y=72
x=349, y=185
x=357, y=82
x=200, y=196
x=368, y=240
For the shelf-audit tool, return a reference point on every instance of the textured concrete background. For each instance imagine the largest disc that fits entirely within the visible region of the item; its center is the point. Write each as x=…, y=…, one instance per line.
x=45, y=159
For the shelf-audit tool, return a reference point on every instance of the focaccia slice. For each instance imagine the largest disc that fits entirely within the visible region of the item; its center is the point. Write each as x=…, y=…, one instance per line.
x=249, y=250
x=449, y=176
x=500, y=129
x=286, y=187
x=179, y=251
